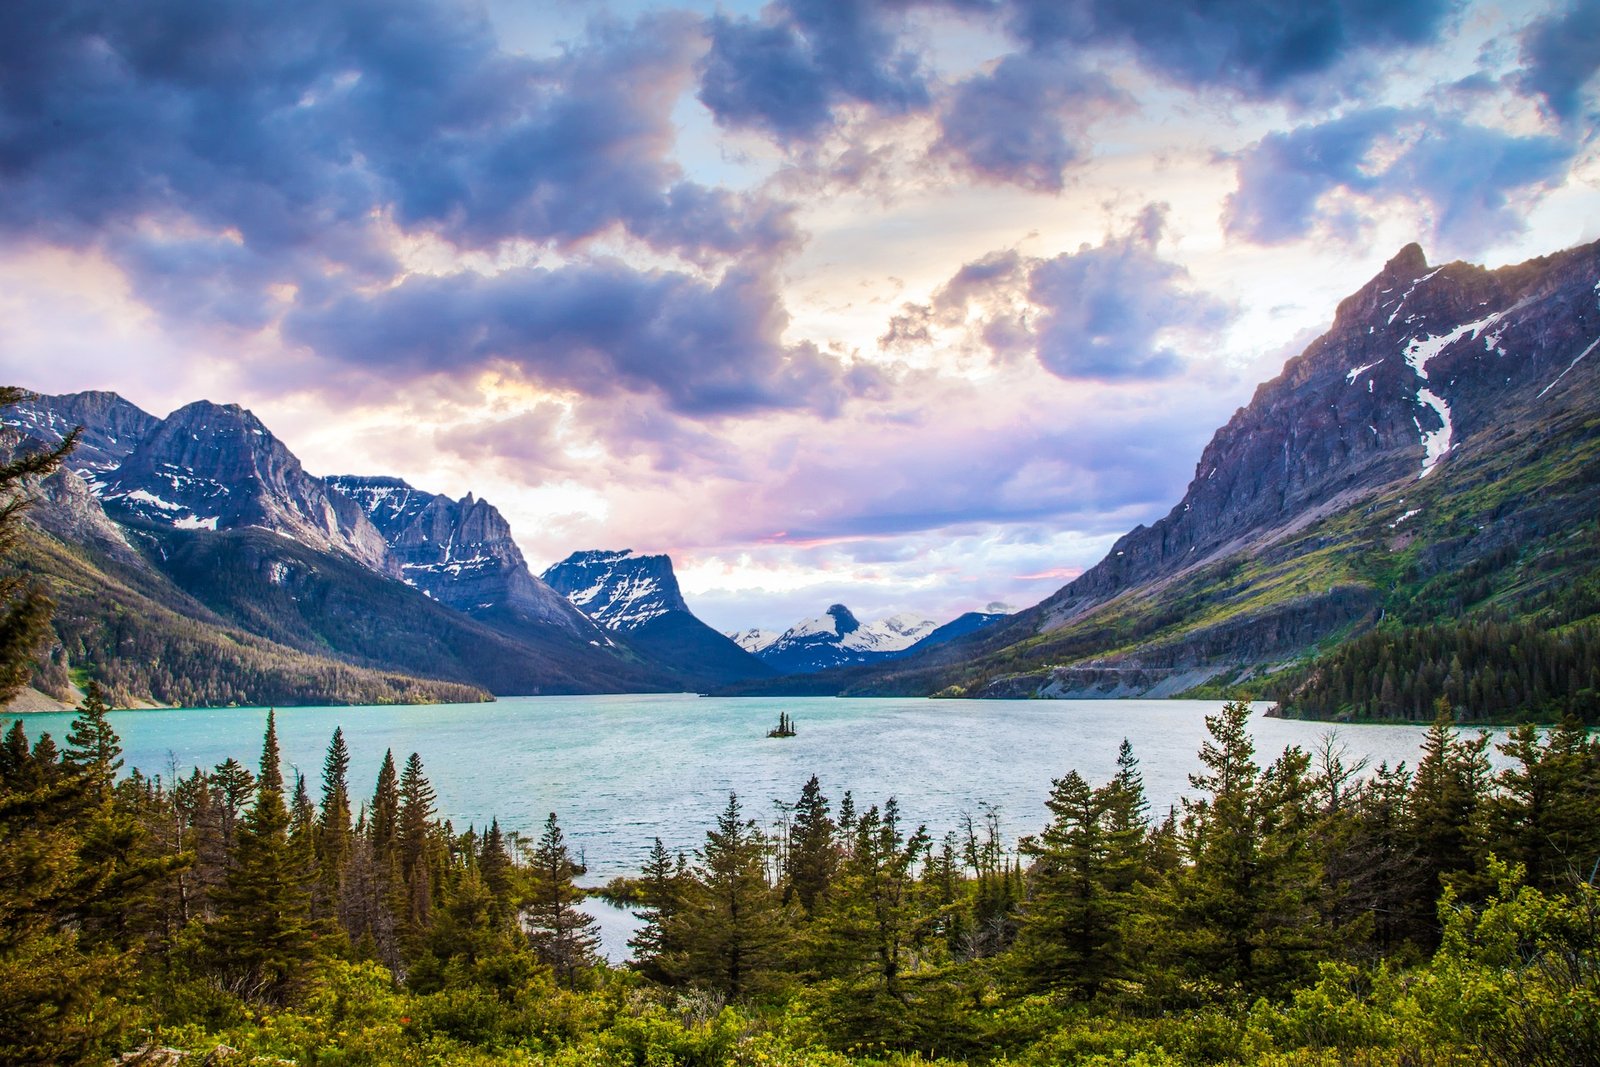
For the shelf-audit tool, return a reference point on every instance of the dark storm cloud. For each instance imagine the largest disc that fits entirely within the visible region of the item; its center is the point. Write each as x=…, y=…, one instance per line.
x=1256, y=47
x=785, y=72
x=704, y=349
x=296, y=124
x=1026, y=121
x=1461, y=174
x=1562, y=54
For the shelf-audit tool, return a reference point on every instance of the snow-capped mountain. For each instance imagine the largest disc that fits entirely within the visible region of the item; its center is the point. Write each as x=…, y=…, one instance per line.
x=618, y=590
x=203, y=527
x=754, y=639
x=459, y=552
x=216, y=467
x=837, y=637
x=638, y=596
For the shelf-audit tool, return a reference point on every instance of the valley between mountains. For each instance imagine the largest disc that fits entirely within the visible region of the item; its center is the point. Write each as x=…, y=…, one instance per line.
x=1413, y=490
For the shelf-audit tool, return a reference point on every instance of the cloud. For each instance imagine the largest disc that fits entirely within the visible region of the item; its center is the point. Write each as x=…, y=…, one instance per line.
x=704, y=348
x=1466, y=178
x=1562, y=53
x=1110, y=311
x=1260, y=48
x=300, y=131
x=786, y=72
x=1026, y=121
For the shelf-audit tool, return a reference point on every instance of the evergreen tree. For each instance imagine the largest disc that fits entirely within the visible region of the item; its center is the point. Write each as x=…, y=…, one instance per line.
x=1445, y=795
x=1080, y=889
x=1245, y=917
x=261, y=941
x=24, y=608
x=333, y=817
x=731, y=924
x=494, y=863
x=562, y=936
x=415, y=844
x=93, y=748
x=57, y=1003
x=655, y=950
x=383, y=816
x=234, y=786
x=812, y=856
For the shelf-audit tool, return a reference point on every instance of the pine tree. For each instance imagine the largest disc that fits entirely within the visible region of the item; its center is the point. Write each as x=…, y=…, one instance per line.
x=655, y=949
x=234, y=786
x=414, y=839
x=262, y=942
x=1244, y=911
x=333, y=817
x=732, y=924
x=383, y=816
x=1079, y=892
x=24, y=608
x=93, y=748
x=57, y=1003
x=561, y=935
x=812, y=856
x=494, y=862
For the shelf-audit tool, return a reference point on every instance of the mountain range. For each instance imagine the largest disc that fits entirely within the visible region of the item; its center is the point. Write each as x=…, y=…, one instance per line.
x=837, y=638
x=1431, y=458
x=195, y=561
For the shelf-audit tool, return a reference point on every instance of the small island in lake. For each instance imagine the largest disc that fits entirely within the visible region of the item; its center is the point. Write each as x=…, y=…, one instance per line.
x=785, y=727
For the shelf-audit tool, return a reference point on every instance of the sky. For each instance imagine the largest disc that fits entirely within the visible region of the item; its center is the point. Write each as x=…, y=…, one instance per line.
x=914, y=305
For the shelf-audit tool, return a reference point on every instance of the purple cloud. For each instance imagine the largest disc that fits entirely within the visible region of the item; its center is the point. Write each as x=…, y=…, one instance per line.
x=1026, y=121
x=785, y=72
x=1260, y=48
x=296, y=127
x=1108, y=309
x=1464, y=175
x=705, y=349
x=1562, y=55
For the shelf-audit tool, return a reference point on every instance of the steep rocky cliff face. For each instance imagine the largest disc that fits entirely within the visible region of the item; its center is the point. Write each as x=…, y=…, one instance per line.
x=459, y=552
x=619, y=590
x=637, y=597
x=112, y=427
x=1418, y=362
x=216, y=467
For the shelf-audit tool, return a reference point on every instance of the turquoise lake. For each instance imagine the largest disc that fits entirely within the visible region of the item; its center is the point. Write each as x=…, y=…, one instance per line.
x=623, y=770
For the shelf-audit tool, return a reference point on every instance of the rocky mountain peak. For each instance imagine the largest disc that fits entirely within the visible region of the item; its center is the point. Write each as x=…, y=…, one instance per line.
x=217, y=467
x=112, y=427
x=618, y=589
x=459, y=552
x=844, y=621
x=1418, y=362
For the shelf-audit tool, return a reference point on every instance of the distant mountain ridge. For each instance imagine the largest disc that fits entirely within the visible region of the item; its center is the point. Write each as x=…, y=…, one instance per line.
x=837, y=637
x=638, y=597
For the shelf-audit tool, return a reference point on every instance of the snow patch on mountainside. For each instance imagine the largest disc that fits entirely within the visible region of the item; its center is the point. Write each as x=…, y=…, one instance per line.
x=754, y=639
x=1435, y=443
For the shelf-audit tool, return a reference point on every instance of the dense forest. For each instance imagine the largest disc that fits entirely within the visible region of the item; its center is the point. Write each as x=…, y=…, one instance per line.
x=1309, y=911
x=1502, y=669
